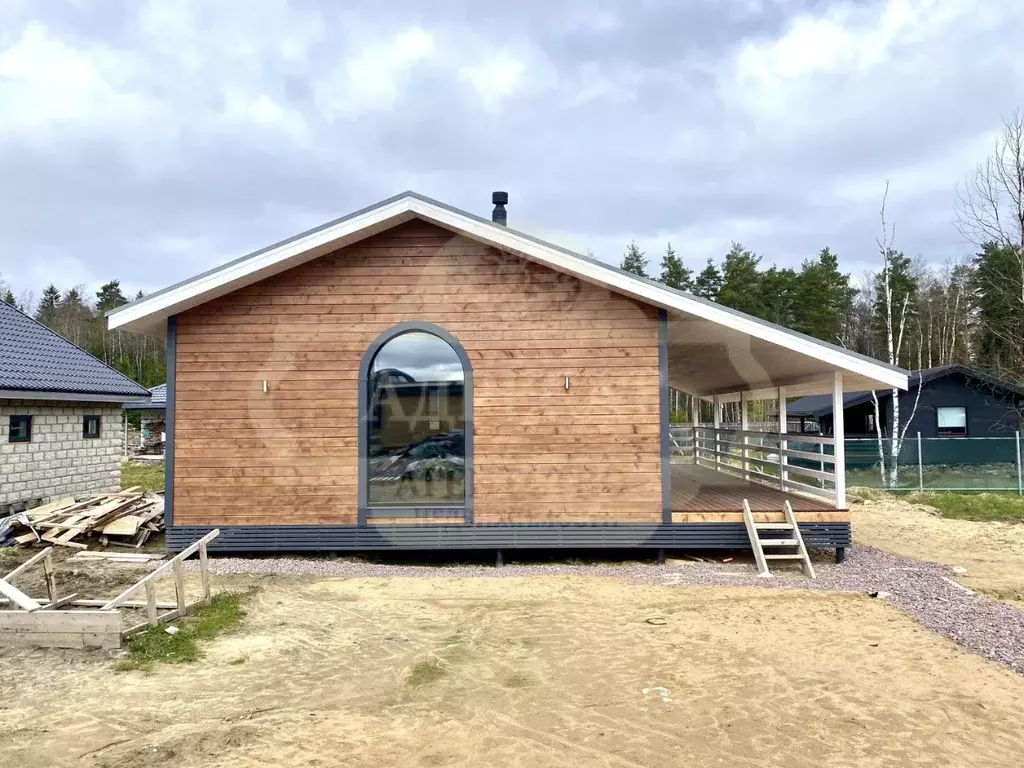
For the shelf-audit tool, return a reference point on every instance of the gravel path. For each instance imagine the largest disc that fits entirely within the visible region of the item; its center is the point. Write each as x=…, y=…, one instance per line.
x=926, y=591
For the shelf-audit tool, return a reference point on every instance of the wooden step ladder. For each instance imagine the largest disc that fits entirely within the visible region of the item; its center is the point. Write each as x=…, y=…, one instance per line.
x=794, y=541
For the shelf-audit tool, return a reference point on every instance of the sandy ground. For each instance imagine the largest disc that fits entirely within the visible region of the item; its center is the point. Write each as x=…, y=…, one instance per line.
x=992, y=553
x=540, y=671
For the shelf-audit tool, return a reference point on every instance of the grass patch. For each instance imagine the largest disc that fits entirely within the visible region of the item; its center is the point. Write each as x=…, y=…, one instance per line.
x=518, y=680
x=149, y=476
x=224, y=614
x=454, y=649
x=982, y=507
x=425, y=672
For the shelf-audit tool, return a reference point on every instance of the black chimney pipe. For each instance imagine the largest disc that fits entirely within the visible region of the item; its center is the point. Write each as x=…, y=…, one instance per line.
x=499, y=215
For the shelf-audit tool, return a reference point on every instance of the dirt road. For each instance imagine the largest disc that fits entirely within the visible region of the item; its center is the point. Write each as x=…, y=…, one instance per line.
x=545, y=671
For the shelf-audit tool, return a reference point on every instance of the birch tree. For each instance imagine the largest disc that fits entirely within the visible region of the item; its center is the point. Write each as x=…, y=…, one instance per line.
x=895, y=319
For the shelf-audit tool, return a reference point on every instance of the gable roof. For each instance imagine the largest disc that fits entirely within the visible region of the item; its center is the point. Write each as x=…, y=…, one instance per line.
x=37, y=363
x=821, y=405
x=149, y=315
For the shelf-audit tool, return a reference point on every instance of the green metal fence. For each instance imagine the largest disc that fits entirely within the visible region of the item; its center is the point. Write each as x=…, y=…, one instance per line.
x=939, y=464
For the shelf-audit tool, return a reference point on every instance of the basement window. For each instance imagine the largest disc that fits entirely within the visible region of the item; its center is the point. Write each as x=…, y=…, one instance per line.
x=952, y=421
x=91, y=427
x=21, y=429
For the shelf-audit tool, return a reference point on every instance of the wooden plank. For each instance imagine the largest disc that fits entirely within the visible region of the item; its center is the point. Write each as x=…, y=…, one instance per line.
x=50, y=574
x=53, y=506
x=60, y=602
x=179, y=586
x=174, y=563
x=18, y=597
x=99, y=603
x=127, y=525
x=61, y=629
x=151, y=609
x=204, y=571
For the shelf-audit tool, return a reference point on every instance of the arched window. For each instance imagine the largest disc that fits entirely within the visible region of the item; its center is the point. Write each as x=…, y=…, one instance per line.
x=415, y=428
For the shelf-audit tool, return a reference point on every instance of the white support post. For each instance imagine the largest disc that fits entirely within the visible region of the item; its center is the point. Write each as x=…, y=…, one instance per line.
x=920, y=464
x=124, y=418
x=745, y=426
x=839, y=434
x=695, y=418
x=718, y=424
x=783, y=442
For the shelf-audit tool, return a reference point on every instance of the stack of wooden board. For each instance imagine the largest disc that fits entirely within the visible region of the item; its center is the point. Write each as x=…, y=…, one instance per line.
x=127, y=519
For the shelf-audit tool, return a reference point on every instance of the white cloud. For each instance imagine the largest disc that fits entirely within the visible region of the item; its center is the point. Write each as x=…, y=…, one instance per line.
x=372, y=78
x=494, y=78
x=48, y=84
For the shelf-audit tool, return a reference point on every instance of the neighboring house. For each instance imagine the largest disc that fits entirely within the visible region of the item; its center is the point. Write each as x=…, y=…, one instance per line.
x=151, y=424
x=60, y=415
x=956, y=401
x=527, y=392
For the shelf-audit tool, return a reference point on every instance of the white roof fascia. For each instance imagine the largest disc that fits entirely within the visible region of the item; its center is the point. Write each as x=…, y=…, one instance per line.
x=238, y=271
x=293, y=252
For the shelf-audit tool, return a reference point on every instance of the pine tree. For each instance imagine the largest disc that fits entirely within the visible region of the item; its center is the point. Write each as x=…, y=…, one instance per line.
x=109, y=296
x=741, y=282
x=708, y=283
x=8, y=298
x=998, y=288
x=824, y=298
x=673, y=273
x=46, y=313
x=779, y=289
x=635, y=260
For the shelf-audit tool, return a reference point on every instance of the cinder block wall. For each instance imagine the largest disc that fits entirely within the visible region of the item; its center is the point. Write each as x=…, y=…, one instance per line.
x=58, y=461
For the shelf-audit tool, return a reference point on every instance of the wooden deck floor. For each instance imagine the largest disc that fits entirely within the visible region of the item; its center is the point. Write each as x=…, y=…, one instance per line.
x=703, y=490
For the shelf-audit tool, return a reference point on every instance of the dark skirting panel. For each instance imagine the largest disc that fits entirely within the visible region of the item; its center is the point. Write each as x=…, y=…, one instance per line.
x=336, y=538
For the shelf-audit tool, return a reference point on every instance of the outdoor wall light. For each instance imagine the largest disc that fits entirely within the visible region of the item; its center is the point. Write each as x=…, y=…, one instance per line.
x=266, y=386
x=566, y=383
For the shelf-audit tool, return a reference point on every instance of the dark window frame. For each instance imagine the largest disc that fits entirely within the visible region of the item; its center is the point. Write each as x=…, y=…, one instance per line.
x=944, y=431
x=23, y=419
x=366, y=510
x=85, y=427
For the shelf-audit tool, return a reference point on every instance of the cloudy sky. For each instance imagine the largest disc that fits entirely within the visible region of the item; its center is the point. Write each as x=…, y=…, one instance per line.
x=148, y=141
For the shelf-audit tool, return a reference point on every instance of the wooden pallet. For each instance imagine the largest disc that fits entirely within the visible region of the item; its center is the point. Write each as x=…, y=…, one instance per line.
x=789, y=548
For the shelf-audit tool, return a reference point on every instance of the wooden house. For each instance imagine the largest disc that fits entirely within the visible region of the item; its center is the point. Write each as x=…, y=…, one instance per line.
x=538, y=381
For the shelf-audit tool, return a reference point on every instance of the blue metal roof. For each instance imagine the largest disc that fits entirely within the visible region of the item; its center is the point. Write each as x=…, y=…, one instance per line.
x=34, y=358
x=157, y=402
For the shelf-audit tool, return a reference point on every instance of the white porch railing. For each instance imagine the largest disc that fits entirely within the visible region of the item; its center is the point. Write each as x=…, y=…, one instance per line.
x=766, y=458
x=680, y=441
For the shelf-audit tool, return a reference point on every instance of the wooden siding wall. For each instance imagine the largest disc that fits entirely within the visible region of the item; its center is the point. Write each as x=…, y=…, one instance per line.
x=542, y=453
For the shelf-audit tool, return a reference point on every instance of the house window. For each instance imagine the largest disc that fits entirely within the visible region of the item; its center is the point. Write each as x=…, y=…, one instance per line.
x=416, y=423
x=91, y=427
x=21, y=429
x=871, y=423
x=952, y=421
